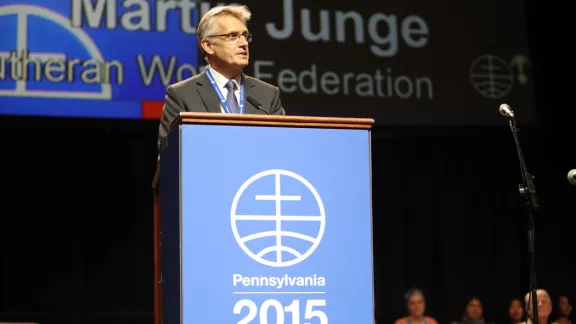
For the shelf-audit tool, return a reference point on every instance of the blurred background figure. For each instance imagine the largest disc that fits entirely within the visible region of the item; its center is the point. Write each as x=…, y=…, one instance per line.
x=516, y=311
x=564, y=310
x=473, y=312
x=416, y=305
x=544, y=307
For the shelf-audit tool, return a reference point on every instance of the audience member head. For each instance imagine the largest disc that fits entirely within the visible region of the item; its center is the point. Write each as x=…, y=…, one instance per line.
x=474, y=310
x=544, y=305
x=516, y=311
x=564, y=307
x=415, y=302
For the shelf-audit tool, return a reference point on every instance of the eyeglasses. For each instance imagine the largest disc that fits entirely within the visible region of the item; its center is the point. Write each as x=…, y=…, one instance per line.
x=234, y=37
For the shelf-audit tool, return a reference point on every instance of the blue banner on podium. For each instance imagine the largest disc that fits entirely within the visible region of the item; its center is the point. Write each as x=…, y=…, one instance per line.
x=274, y=227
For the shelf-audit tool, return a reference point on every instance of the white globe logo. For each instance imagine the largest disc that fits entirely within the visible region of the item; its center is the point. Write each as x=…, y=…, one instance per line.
x=491, y=76
x=278, y=218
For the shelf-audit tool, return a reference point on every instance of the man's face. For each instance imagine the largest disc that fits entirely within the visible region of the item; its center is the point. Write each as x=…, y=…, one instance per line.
x=228, y=52
x=544, y=306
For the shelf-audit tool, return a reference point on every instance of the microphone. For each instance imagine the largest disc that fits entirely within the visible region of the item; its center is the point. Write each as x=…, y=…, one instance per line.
x=572, y=177
x=506, y=111
x=256, y=104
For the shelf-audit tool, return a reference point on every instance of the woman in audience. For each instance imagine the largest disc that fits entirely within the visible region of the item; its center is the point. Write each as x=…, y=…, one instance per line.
x=516, y=311
x=564, y=310
x=474, y=312
x=416, y=308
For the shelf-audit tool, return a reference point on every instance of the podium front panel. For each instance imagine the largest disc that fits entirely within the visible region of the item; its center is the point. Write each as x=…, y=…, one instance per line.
x=275, y=225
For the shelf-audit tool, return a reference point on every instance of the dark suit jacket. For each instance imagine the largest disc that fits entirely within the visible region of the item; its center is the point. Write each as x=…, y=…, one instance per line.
x=197, y=95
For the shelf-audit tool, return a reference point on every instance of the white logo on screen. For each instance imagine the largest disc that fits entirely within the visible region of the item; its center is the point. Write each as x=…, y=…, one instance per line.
x=317, y=219
x=491, y=76
x=22, y=12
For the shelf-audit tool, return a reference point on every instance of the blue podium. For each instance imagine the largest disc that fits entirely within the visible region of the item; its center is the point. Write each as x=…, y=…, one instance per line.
x=264, y=219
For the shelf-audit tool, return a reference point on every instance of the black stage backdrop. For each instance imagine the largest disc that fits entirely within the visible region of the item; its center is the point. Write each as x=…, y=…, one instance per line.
x=77, y=220
x=76, y=212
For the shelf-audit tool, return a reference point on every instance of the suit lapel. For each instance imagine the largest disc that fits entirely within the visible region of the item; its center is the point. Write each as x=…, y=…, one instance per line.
x=248, y=107
x=208, y=95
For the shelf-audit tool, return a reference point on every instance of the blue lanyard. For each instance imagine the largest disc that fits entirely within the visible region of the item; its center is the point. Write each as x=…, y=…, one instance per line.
x=221, y=97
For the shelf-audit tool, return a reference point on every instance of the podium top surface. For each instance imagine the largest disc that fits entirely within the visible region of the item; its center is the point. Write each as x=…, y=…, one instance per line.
x=272, y=120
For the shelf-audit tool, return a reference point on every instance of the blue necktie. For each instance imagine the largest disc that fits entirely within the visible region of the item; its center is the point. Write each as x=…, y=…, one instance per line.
x=231, y=98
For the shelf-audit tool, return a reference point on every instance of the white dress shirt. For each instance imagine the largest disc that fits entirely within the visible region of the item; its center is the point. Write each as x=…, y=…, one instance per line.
x=221, y=82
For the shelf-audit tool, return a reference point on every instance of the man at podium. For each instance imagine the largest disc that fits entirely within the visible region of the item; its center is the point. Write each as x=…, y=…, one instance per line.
x=222, y=87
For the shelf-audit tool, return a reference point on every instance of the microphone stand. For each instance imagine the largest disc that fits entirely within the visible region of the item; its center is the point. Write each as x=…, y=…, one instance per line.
x=527, y=190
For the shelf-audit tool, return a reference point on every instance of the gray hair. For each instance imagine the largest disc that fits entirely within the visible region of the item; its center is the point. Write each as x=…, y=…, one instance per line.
x=539, y=292
x=412, y=292
x=207, y=25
